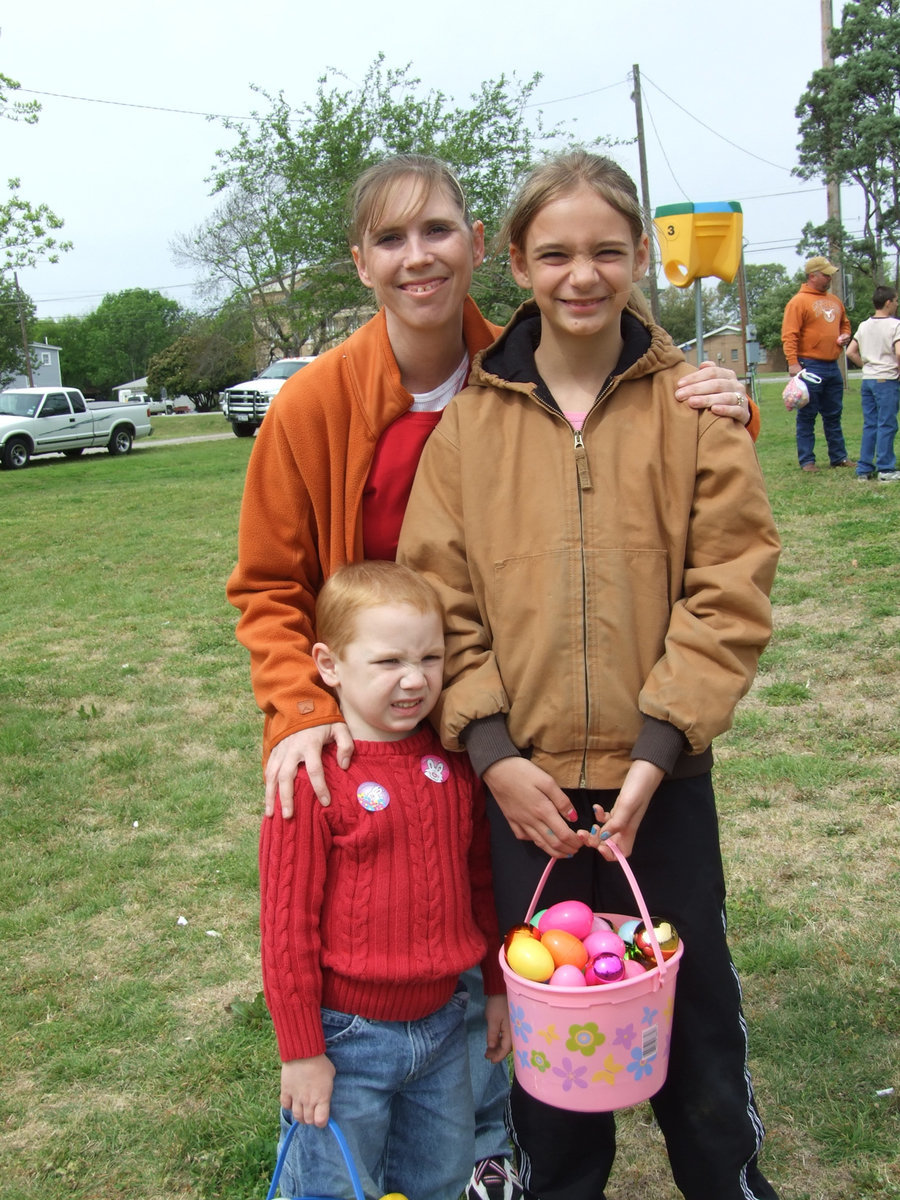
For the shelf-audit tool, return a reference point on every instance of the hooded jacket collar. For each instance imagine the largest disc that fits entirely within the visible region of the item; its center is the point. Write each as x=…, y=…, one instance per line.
x=510, y=360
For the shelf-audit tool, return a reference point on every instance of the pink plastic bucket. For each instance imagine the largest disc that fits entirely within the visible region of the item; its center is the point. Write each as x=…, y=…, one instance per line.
x=594, y=1049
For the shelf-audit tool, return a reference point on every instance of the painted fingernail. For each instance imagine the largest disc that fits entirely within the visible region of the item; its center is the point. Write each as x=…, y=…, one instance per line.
x=604, y=835
x=572, y=816
x=594, y=829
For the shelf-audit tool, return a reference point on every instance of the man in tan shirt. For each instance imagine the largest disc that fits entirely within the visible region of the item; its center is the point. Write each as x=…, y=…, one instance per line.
x=814, y=331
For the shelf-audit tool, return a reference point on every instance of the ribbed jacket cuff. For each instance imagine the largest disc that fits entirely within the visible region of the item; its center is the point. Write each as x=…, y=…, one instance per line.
x=660, y=743
x=487, y=741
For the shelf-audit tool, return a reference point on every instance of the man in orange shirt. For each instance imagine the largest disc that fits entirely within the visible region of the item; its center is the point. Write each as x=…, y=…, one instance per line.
x=814, y=331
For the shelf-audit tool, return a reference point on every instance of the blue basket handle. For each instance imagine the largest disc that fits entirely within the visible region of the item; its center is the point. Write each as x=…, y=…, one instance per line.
x=345, y=1151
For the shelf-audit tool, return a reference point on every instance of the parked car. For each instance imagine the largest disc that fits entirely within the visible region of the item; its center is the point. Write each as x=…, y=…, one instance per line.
x=48, y=420
x=245, y=404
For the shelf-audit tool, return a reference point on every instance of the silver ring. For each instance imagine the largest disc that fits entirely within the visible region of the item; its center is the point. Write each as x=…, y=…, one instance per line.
x=739, y=399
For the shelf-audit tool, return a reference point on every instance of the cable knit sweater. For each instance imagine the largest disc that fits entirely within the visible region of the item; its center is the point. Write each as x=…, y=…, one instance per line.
x=376, y=911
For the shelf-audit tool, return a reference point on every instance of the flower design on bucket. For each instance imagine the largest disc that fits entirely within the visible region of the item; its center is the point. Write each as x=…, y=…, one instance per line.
x=624, y=1037
x=639, y=1067
x=520, y=1027
x=549, y=1034
x=650, y=1015
x=540, y=1061
x=584, y=1039
x=522, y=1056
x=609, y=1072
x=571, y=1075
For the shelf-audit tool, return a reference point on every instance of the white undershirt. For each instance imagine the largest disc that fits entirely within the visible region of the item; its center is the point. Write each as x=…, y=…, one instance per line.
x=438, y=399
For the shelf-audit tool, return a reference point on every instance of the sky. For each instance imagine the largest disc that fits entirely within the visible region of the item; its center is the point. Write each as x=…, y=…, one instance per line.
x=123, y=148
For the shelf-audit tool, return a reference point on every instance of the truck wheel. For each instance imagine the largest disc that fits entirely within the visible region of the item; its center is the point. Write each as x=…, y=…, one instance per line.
x=121, y=441
x=16, y=454
x=77, y=453
x=242, y=429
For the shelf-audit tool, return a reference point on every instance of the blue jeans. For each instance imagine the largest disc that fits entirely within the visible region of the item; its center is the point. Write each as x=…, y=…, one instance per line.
x=880, y=400
x=825, y=399
x=490, y=1081
x=403, y=1100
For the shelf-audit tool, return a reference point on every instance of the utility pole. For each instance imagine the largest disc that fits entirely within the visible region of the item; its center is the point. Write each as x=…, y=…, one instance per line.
x=21, y=308
x=833, y=187
x=645, y=191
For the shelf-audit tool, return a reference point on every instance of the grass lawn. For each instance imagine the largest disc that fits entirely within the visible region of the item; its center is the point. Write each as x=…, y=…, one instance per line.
x=131, y=799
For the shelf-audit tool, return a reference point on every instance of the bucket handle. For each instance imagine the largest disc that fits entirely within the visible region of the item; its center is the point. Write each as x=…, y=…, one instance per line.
x=345, y=1151
x=636, y=891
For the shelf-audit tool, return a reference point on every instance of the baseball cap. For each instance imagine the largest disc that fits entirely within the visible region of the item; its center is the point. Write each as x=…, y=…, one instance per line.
x=820, y=264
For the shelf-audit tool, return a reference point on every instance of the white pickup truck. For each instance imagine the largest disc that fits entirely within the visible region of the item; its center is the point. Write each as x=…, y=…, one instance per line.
x=57, y=420
x=245, y=404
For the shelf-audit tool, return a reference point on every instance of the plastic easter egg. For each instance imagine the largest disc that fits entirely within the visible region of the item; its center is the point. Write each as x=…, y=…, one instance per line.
x=565, y=948
x=604, y=940
x=394, y=1196
x=666, y=935
x=600, y=923
x=530, y=959
x=521, y=931
x=626, y=930
x=604, y=968
x=571, y=915
x=634, y=967
x=568, y=976
x=536, y=919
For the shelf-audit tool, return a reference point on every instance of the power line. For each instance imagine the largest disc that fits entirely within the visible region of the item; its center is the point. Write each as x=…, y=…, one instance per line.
x=184, y=112
x=715, y=132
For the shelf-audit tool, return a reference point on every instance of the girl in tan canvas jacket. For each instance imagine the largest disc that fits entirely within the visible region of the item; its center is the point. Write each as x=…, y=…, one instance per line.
x=604, y=558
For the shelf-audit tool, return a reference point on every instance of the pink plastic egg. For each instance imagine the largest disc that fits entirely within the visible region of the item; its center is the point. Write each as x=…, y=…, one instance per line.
x=568, y=976
x=604, y=968
x=600, y=923
x=571, y=915
x=604, y=941
x=633, y=968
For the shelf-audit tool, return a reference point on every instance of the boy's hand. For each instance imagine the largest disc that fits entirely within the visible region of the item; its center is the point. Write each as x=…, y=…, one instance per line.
x=306, y=1087
x=621, y=823
x=305, y=746
x=499, y=1036
x=534, y=805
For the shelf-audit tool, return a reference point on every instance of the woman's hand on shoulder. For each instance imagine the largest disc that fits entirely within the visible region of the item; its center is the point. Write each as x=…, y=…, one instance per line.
x=717, y=388
x=304, y=747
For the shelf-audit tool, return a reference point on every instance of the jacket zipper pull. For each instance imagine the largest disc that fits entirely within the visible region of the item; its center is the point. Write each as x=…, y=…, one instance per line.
x=581, y=463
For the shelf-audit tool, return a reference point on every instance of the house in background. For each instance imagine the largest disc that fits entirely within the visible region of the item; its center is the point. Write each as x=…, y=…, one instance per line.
x=136, y=389
x=45, y=370
x=723, y=347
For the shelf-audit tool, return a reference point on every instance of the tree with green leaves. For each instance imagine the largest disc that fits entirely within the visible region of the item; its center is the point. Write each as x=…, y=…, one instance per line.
x=211, y=355
x=15, y=308
x=850, y=129
x=27, y=231
x=278, y=239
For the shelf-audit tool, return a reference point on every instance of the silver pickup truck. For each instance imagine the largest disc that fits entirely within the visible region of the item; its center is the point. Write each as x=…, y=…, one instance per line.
x=57, y=420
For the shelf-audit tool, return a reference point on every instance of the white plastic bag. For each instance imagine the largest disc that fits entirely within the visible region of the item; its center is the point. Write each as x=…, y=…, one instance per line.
x=796, y=394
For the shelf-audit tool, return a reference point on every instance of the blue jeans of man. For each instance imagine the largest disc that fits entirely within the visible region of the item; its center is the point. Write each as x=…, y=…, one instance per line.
x=403, y=1100
x=825, y=400
x=880, y=401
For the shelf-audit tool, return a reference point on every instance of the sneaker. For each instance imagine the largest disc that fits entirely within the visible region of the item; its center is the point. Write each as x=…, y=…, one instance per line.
x=845, y=462
x=866, y=476
x=889, y=476
x=494, y=1179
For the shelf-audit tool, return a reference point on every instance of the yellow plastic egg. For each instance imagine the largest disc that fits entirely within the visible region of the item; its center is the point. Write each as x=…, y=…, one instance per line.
x=528, y=958
x=394, y=1196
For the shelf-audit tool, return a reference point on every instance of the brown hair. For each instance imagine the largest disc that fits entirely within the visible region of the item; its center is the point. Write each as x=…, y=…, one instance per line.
x=371, y=191
x=358, y=586
x=560, y=176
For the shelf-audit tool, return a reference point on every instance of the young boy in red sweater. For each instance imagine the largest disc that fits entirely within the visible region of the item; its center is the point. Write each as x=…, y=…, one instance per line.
x=373, y=906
